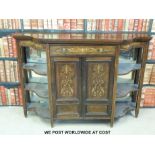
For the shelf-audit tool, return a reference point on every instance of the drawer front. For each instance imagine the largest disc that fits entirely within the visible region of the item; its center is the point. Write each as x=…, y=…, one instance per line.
x=81, y=50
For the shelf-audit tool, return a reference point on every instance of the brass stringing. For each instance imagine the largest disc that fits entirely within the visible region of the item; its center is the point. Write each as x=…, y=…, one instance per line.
x=66, y=83
x=97, y=86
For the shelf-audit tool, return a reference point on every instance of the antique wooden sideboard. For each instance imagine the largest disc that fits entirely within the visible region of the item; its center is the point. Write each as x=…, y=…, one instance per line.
x=81, y=76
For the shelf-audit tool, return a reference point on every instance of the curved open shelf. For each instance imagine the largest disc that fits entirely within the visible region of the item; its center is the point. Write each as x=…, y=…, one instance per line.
x=40, y=89
x=123, y=107
x=41, y=109
x=40, y=69
x=124, y=88
x=125, y=68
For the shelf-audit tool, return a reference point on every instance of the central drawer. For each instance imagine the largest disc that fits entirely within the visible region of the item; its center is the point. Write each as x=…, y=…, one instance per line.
x=66, y=50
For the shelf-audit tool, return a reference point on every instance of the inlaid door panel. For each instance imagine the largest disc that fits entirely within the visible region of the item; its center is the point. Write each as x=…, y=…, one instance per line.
x=97, y=84
x=67, y=87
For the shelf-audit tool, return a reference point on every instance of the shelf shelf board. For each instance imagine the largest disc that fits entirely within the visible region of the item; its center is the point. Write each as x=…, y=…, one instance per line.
x=124, y=88
x=40, y=69
x=150, y=62
x=42, y=80
x=9, y=84
x=125, y=68
x=148, y=85
x=8, y=58
x=124, y=107
x=40, y=89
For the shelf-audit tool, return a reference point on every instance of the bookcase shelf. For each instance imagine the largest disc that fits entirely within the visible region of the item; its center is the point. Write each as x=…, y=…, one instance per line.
x=148, y=85
x=124, y=88
x=40, y=69
x=8, y=58
x=40, y=89
x=150, y=62
x=9, y=84
x=125, y=68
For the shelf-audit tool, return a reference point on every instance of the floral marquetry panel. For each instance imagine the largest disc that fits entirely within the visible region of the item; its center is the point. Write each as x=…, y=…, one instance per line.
x=66, y=77
x=97, y=80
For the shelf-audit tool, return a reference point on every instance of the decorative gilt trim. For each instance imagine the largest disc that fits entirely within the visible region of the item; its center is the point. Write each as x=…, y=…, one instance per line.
x=131, y=45
x=32, y=44
x=80, y=50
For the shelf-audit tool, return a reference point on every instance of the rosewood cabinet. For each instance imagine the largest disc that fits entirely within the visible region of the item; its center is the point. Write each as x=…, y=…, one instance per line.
x=84, y=74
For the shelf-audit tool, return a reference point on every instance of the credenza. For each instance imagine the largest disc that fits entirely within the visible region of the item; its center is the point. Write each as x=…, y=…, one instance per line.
x=81, y=76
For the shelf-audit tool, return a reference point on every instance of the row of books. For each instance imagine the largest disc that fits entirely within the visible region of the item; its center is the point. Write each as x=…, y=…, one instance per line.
x=151, y=52
x=8, y=71
x=78, y=24
x=10, y=24
x=10, y=96
x=92, y=24
x=153, y=26
x=8, y=47
x=140, y=25
x=148, y=97
x=55, y=24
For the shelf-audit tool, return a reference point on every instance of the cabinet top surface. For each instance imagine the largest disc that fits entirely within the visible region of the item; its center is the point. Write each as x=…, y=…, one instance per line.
x=82, y=38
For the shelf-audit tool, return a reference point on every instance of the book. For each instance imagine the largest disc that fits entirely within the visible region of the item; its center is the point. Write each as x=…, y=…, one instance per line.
x=27, y=23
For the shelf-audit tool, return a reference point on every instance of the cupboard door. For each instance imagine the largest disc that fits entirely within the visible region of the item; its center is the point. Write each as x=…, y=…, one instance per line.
x=97, y=85
x=67, y=87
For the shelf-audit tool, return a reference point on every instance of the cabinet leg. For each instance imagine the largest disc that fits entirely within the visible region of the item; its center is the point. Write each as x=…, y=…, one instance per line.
x=25, y=112
x=111, y=123
x=52, y=124
x=136, y=112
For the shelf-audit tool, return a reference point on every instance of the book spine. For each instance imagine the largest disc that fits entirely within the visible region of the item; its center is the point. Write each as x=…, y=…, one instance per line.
x=1, y=24
x=14, y=47
x=116, y=25
x=16, y=96
x=9, y=23
x=34, y=23
x=20, y=96
x=54, y=24
x=73, y=24
x=93, y=25
x=60, y=24
x=131, y=25
x=27, y=24
x=135, y=28
x=49, y=24
x=120, y=25
x=66, y=24
x=8, y=96
x=1, y=48
x=140, y=25
x=5, y=47
x=2, y=72
x=9, y=39
x=40, y=24
x=89, y=24
x=7, y=68
x=45, y=23
x=80, y=24
x=126, y=27
x=3, y=95
x=106, y=24
x=12, y=96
